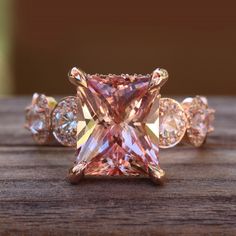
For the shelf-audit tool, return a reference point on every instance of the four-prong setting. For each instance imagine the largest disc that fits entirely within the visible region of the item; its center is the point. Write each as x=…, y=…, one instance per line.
x=114, y=122
x=120, y=119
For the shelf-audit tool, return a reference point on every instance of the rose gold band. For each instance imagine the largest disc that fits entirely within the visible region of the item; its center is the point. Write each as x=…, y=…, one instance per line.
x=192, y=118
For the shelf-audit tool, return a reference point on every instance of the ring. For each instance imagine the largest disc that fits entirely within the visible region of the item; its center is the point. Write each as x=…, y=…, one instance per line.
x=113, y=121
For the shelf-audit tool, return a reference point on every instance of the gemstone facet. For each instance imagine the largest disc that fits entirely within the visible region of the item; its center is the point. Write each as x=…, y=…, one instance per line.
x=173, y=123
x=64, y=121
x=118, y=124
x=38, y=120
x=200, y=118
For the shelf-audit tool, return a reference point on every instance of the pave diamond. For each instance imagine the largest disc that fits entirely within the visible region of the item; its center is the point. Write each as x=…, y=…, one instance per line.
x=173, y=123
x=118, y=124
x=38, y=117
x=200, y=118
x=64, y=121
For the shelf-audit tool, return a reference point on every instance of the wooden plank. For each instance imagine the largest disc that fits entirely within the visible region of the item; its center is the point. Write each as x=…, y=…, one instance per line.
x=198, y=198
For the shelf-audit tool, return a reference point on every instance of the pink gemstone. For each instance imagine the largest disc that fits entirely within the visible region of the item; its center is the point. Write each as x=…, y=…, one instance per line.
x=118, y=124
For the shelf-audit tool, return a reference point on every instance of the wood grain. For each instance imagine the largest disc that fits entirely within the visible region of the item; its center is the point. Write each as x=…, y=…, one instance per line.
x=199, y=197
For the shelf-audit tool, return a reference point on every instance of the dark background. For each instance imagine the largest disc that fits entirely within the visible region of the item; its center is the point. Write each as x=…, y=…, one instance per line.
x=194, y=40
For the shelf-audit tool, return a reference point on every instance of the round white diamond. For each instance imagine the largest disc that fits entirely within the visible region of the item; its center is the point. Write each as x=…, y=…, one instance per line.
x=173, y=123
x=200, y=118
x=38, y=118
x=64, y=121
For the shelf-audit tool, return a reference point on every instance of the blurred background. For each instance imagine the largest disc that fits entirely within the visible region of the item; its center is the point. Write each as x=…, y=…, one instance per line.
x=41, y=40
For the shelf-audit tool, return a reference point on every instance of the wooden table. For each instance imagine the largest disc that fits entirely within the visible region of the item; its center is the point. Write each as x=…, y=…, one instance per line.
x=199, y=197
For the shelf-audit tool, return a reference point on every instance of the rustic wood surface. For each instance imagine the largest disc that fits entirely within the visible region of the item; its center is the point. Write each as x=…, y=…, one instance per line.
x=199, y=197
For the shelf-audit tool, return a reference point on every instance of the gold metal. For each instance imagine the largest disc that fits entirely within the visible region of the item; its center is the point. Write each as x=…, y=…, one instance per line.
x=76, y=173
x=77, y=77
x=157, y=176
x=51, y=102
x=159, y=77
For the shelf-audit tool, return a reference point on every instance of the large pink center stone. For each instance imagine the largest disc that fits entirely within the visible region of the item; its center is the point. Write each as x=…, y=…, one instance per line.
x=118, y=127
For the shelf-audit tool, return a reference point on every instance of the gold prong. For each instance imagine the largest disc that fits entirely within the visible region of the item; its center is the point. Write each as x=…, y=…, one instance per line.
x=51, y=103
x=159, y=77
x=157, y=176
x=77, y=77
x=76, y=173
